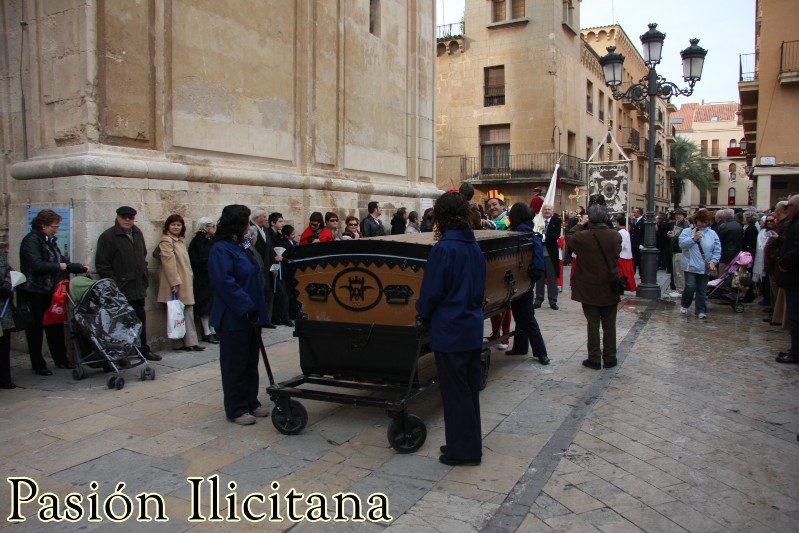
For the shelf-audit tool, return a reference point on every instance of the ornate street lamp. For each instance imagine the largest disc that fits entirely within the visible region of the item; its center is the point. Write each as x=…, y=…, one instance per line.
x=650, y=86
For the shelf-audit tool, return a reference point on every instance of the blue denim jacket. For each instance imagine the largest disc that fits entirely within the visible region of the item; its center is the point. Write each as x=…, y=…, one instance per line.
x=692, y=260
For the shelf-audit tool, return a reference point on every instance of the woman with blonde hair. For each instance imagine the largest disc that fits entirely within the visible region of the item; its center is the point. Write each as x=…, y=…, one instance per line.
x=177, y=278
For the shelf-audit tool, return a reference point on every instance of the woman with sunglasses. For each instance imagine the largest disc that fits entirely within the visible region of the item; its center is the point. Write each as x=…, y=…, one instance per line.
x=331, y=225
x=351, y=230
x=316, y=228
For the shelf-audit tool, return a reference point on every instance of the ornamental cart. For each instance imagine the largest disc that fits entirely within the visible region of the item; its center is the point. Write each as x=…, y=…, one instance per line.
x=360, y=339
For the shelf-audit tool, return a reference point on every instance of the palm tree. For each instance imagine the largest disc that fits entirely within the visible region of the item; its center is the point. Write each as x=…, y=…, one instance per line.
x=690, y=165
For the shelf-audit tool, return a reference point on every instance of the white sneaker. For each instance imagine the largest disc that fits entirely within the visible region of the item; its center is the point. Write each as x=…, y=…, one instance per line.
x=683, y=310
x=502, y=346
x=701, y=315
x=674, y=294
x=244, y=420
x=260, y=411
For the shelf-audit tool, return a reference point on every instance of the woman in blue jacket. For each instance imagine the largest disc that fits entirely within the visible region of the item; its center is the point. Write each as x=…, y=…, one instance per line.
x=238, y=313
x=451, y=300
x=700, y=246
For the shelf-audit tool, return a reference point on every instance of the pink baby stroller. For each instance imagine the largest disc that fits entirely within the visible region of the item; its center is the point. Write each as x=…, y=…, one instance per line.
x=733, y=283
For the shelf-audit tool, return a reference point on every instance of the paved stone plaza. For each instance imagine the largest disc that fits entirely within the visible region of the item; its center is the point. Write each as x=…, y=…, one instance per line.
x=695, y=430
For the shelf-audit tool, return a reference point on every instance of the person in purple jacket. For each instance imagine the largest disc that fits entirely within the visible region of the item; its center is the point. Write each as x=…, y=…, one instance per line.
x=451, y=302
x=238, y=313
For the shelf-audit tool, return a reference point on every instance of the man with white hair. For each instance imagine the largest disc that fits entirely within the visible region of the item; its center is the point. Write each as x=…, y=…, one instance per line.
x=731, y=235
x=552, y=229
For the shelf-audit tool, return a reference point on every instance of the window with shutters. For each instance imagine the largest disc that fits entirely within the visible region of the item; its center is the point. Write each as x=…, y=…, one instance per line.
x=703, y=148
x=495, y=149
x=714, y=148
x=494, y=91
x=502, y=10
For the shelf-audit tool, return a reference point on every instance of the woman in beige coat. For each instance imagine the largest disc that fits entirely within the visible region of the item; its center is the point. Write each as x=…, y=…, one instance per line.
x=176, y=276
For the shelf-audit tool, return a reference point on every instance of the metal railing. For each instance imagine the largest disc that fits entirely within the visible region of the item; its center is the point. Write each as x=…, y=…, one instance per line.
x=494, y=95
x=448, y=31
x=630, y=137
x=747, y=67
x=789, y=56
x=523, y=167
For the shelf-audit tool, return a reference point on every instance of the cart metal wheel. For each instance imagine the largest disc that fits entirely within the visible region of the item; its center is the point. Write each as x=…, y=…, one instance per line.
x=120, y=382
x=143, y=374
x=78, y=373
x=152, y=373
x=289, y=416
x=409, y=439
x=739, y=308
x=111, y=383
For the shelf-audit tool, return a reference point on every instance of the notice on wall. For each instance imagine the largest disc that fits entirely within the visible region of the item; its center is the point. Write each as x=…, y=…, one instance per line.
x=64, y=234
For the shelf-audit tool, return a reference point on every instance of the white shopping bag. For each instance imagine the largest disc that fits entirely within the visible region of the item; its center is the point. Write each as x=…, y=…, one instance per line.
x=175, y=321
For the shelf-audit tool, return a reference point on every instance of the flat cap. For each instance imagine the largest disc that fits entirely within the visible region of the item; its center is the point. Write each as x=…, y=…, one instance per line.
x=126, y=211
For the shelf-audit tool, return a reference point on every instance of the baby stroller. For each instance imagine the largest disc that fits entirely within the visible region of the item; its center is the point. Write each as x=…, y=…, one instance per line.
x=733, y=283
x=104, y=330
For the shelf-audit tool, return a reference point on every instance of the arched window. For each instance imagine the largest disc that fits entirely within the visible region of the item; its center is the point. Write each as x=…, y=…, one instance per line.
x=733, y=143
x=731, y=196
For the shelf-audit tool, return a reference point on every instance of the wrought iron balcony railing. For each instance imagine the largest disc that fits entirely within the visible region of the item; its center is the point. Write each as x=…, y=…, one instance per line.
x=448, y=31
x=747, y=67
x=630, y=138
x=494, y=95
x=523, y=168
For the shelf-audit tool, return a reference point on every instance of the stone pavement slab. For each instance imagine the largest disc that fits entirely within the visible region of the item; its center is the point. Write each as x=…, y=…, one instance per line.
x=695, y=430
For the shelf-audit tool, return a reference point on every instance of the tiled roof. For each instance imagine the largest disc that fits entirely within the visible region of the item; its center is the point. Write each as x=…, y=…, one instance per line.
x=694, y=112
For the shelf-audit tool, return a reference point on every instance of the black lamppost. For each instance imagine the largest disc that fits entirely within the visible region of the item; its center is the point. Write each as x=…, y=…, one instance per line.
x=650, y=86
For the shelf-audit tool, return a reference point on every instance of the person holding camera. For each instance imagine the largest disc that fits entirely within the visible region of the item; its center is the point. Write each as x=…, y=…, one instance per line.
x=598, y=248
x=701, y=252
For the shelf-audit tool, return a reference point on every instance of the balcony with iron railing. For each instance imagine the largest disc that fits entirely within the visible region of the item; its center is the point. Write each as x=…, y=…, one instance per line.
x=747, y=67
x=630, y=138
x=523, y=168
x=450, y=31
x=789, y=62
x=494, y=95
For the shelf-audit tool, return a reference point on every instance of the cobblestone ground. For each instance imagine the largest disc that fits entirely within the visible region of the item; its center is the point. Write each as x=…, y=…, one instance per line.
x=695, y=430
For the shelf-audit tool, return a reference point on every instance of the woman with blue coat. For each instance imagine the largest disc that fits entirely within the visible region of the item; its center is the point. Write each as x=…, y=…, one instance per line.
x=238, y=313
x=700, y=246
x=451, y=300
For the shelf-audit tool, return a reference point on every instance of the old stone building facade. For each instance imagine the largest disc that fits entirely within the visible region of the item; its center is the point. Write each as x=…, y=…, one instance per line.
x=716, y=128
x=769, y=91
x=186, y=106
x=520, y=87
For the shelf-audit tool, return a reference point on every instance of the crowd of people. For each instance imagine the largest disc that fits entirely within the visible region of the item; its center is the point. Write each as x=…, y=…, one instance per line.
x=230, y=277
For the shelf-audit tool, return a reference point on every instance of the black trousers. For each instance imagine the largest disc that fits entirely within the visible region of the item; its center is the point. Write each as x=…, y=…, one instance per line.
x=527, y=326
x=138, y=308
x=39, y=303
x=459, y=381
x=5, y=359
x=604, y=316
x=551, y=265
x=238, y=360
x=280, y=305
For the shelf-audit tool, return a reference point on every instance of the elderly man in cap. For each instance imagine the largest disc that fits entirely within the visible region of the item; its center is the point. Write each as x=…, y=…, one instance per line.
x=122, y=256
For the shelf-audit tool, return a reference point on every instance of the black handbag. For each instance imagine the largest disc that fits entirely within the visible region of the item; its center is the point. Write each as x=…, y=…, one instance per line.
x=619, y=283
x=22, y=315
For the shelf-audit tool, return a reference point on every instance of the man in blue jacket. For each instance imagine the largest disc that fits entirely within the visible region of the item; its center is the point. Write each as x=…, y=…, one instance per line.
x=451, y=301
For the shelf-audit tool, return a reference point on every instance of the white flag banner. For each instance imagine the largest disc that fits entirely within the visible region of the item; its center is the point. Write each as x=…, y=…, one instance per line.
x=538, y=221
x=611, y=179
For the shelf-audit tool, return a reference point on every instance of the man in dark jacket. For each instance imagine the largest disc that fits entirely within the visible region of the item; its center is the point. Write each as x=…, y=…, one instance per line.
x=552, y=228
x=263, y=246
x=122, y=256
x=591, y=283
x=731, y=235
x=788, y=279
x=637, y=236
x=371, y=225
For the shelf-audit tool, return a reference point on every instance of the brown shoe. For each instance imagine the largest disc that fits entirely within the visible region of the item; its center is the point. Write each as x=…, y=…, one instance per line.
x=152, y=356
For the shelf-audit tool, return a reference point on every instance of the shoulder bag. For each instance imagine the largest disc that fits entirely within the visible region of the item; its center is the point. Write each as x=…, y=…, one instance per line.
x=619, y=283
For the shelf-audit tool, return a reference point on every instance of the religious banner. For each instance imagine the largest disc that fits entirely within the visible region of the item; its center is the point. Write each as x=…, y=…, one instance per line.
x=611, y=179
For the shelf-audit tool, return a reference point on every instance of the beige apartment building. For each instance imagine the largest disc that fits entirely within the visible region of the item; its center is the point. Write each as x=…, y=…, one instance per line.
x=520, y=87
x=718, y=132
x=769, y=91
x=186, y=106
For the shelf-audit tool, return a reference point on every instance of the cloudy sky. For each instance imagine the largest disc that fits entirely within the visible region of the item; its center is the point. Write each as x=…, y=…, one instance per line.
x=726, y=28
